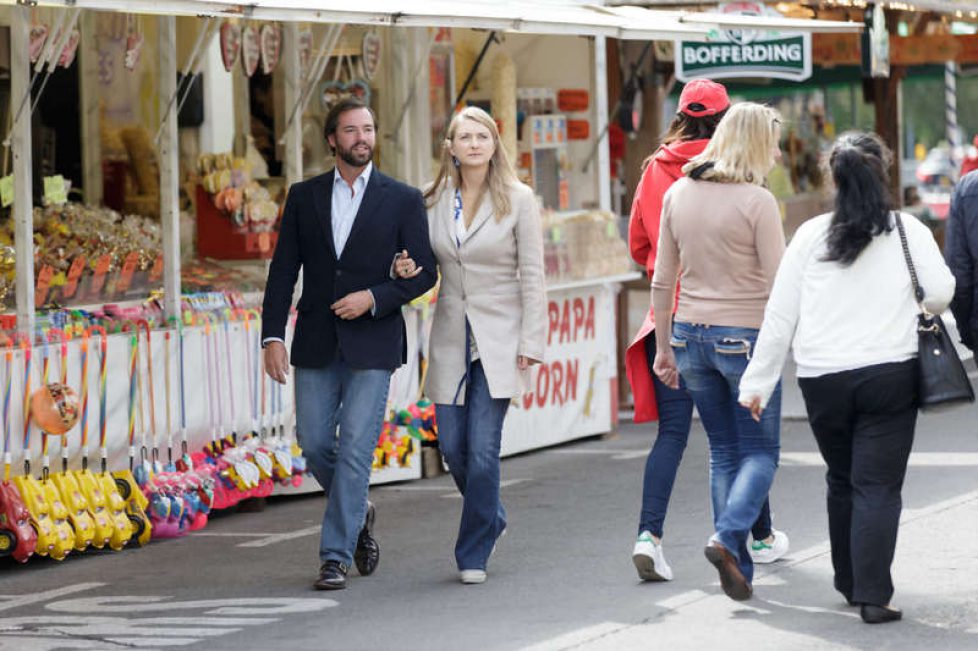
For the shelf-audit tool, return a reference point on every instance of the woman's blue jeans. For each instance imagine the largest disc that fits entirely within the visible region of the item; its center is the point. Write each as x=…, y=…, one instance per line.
x=469, y=437
x=675, y=408
x=743, y=453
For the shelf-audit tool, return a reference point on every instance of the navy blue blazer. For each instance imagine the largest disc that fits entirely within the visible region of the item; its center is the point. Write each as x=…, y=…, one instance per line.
x=391, y=217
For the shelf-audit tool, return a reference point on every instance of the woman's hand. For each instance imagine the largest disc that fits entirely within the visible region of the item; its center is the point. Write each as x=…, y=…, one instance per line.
x=665, y=368
x=754, y=405
x=404, y=266
x=523, y=362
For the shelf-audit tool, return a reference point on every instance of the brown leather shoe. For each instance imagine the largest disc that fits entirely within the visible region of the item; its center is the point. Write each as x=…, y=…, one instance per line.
x=731, y=578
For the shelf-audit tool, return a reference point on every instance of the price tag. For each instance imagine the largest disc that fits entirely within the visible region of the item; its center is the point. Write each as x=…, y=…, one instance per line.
x=128, y=269
x=611, y=230
x=74, y=274
x=157, y=272
x=101, y=269
x=556, y=234
x=43, y=285
x=264, y=242
x=7, y=190
x=54, y=190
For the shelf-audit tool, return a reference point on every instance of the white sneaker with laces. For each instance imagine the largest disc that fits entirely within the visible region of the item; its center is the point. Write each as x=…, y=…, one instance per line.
x=649, y=559
x=767, y=552
x=472, y=577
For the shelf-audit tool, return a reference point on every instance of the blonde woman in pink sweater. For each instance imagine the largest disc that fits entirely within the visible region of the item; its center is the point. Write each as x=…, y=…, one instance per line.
x=721, y=237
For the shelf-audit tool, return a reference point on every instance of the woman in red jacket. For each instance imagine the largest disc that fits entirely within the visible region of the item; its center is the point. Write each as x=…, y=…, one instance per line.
x=702, y=105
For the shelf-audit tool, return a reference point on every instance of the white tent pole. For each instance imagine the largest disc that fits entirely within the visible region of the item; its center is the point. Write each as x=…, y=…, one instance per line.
x=23, y=209
x=600, y=112
x=169, y=164
x=293, y=90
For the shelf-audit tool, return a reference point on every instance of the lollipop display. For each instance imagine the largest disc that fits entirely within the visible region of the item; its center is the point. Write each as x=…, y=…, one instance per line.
x=55, y=408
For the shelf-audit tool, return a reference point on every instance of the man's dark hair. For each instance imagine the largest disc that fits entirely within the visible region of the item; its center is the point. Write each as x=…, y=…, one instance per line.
x=341, y=107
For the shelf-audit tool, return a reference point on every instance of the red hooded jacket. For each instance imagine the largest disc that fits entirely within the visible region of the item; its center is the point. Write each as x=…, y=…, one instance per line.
x=643, y=242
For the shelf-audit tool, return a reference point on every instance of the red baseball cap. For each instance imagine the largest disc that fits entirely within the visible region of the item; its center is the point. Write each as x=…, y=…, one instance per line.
x=701, y=97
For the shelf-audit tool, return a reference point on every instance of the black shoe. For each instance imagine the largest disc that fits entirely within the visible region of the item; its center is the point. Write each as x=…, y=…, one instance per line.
x=873, y=614
x=732, y=580
x=367, y=554
x=332, y=576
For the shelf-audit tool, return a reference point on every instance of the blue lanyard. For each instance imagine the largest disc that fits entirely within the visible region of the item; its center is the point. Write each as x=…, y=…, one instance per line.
x=458, y=215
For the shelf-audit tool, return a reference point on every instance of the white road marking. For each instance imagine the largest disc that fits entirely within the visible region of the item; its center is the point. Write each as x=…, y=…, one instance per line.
x=232, y=534
x=274, y=538
x=76, y=627
x=8, y=602
x=578, y=637
x=678, y=601
x=503, y=484
x=917, y=459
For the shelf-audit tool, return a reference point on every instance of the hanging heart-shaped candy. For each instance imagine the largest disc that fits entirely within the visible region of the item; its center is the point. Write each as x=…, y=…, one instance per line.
x=70, y=49
x=38, y=37
x=250, y=50
x=271, y=47
x=230, y=44
x=134, y=47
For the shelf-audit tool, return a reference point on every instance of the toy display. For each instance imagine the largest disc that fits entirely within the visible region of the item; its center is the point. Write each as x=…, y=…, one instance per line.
x=17, y=537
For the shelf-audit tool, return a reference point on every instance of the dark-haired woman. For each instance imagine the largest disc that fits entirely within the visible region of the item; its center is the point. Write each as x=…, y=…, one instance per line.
x=702, y=104
x=843, y=300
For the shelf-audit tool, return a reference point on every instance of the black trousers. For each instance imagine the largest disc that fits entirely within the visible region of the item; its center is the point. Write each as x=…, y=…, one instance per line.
x=864, y=421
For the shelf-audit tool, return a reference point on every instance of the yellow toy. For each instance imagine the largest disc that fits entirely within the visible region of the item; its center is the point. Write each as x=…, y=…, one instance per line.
x=135, y=501
x=49, y=539
x=64, y=482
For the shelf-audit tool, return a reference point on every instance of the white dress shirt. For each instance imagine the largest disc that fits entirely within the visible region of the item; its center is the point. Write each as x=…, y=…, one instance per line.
x=345, y=205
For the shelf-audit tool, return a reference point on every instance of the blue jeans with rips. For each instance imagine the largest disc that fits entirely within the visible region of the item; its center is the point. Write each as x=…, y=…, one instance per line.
x=470, y=436
x=743, y=453
x=341, y=459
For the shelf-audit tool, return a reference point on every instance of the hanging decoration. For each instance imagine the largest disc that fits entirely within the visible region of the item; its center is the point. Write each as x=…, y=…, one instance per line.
x=230, y=44
x=37, y=38
x=70, y=49
x=335, y=90
x=250, y=50
x=134, y=43
x=370, y=57
x=271, y=46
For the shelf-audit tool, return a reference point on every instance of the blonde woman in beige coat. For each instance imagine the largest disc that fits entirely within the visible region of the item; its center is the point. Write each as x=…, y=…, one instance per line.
x=490, y=320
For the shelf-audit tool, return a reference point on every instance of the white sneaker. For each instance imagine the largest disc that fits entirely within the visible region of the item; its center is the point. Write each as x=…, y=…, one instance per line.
x=764, y=552
x=649, y=559
x=472, y=577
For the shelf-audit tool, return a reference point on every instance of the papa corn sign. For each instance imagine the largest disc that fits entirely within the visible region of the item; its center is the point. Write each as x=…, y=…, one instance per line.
x=746, y=52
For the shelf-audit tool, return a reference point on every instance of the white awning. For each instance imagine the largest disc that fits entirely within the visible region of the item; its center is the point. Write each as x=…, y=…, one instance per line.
x=535, y=17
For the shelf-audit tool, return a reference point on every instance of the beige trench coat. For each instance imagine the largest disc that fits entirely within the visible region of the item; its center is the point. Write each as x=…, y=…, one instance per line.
x=496, y=280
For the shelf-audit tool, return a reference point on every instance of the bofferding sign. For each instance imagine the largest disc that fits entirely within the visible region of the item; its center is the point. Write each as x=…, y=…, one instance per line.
x=746, y=52
x=568, y=396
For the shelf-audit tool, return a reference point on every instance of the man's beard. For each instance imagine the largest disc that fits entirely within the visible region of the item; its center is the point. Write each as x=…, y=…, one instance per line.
x=354, y=159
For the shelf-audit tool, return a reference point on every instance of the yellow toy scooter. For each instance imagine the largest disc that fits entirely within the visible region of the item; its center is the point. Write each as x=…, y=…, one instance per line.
x=79, y=515
x=54, y=535
x=129, y=490
x=87, y=483
x=103, y=483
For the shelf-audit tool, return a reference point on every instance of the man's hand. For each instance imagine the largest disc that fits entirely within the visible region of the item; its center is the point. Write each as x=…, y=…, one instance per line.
x=276, y=360
x=404, y=266
x=353, y=305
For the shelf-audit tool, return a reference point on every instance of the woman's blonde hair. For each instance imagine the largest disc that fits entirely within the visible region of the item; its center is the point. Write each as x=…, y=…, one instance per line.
x=501, y=177
x=740, y=150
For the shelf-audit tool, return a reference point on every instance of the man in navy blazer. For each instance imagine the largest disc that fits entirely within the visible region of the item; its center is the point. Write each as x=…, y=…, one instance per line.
x=344, y=229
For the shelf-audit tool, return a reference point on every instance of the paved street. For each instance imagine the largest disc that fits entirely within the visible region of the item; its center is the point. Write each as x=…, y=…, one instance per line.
x=562, y=578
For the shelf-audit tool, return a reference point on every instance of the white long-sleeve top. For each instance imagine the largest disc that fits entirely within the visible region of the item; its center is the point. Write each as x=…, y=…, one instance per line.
x=840, y=318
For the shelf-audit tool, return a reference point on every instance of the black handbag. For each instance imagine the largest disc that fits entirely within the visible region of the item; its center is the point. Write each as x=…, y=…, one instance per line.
x=942, y=380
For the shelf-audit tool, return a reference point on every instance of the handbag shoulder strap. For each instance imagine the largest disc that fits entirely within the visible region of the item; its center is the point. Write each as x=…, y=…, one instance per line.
x=918, y=291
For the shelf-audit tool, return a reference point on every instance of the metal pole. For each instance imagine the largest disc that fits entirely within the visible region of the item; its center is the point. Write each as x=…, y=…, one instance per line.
x=293, y=90
x=601, y=121
x=169, y=165
x=20, y=139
